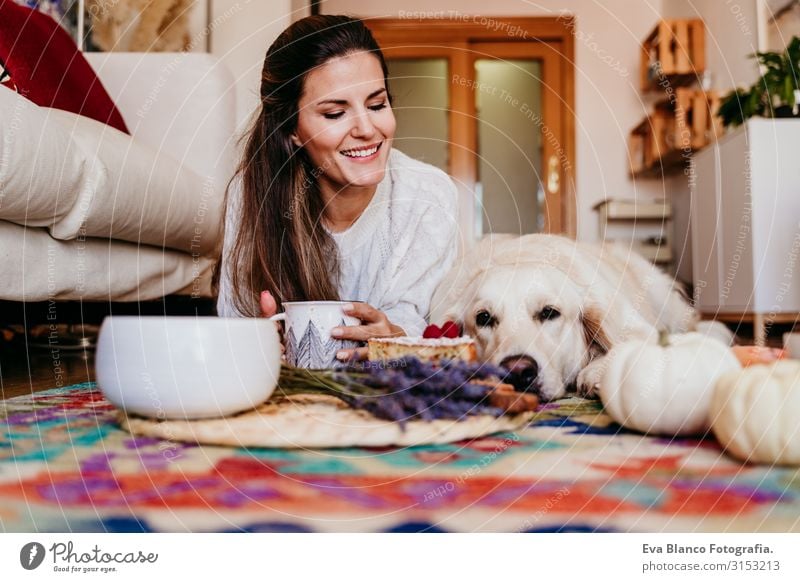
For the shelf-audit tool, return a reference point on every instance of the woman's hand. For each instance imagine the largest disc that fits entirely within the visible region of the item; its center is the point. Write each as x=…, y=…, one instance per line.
x=269, y=307
x=374, y=323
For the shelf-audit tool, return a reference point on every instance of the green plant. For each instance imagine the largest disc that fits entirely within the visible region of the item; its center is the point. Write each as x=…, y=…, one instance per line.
x=740, y=105
x=775, y=94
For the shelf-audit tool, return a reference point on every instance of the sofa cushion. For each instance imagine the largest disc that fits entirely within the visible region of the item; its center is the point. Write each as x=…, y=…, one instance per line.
x=47, y=67
x=77, y=177
x=36, y=267
x=181, y=104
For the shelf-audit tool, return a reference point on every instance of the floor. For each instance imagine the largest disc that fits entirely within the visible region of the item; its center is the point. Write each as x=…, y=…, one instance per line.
x=40, y=369
x=49, y=356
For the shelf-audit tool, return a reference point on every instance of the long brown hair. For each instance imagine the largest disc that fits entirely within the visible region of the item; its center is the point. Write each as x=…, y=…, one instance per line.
x=280, y=246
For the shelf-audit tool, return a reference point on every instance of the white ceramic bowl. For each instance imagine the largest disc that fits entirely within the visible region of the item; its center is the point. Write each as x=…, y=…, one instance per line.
x=187, y=367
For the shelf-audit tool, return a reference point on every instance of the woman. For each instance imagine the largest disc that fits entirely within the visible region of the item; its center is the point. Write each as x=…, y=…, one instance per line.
x=322, y=207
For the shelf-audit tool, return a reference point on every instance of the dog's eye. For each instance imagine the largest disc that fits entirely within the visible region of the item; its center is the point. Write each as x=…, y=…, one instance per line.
x=549, y=313
x=484, y=319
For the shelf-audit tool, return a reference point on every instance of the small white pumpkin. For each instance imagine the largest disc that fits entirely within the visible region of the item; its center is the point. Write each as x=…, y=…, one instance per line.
x=664, y=386
x=754, y=413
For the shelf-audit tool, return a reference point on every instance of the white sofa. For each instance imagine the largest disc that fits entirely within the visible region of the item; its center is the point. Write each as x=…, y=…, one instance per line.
x=142, y=218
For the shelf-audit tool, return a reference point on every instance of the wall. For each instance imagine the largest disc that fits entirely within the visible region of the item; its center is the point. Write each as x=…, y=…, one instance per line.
x=781, y=30
x=607, y=99
x=241, y=32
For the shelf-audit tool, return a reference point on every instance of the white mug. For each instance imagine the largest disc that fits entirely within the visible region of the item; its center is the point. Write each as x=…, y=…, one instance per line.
x=307, y=332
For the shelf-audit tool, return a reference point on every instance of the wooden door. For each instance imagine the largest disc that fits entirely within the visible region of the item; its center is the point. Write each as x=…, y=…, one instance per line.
x=466, y=47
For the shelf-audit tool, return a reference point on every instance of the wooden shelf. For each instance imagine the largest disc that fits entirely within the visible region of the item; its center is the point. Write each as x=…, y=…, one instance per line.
x=627, y=210
x=685, y=120
x=673, y=54
x=678, y=126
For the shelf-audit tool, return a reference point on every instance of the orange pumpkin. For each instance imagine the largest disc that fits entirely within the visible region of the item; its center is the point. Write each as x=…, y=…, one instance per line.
x=751, y=355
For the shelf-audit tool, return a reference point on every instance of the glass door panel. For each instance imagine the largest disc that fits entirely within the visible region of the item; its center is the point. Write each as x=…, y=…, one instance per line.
x=420, y=90
x=510, y=194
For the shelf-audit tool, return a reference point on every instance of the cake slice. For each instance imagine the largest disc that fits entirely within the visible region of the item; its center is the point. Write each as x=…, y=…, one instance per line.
x=428, y=349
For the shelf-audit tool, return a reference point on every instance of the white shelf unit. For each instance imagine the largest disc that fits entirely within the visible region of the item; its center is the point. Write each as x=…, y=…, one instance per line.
x=745, y=223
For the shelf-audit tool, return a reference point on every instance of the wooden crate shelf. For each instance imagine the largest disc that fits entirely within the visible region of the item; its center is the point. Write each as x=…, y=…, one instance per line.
x=677, y=127
x=673, y=54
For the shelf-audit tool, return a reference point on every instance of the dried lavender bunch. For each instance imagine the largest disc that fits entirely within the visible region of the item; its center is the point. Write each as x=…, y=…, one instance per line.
x=405, y=389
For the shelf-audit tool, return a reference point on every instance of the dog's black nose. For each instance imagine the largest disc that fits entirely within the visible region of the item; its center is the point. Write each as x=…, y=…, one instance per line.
x=523, y=371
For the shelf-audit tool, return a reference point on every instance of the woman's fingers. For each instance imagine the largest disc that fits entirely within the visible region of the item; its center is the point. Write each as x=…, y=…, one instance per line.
x=269, y=306
x=374, y=324
x=364, y=312
x=354, y=354
x=358, y=333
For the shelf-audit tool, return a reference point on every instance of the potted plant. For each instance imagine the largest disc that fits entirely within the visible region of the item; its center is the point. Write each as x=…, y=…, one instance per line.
x=775, y=94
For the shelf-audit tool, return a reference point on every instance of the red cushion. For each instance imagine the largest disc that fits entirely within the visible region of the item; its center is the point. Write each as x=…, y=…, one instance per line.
x=47, y=67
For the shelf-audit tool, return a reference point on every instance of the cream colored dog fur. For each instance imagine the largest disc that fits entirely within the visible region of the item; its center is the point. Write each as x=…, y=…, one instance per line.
x=559, y=303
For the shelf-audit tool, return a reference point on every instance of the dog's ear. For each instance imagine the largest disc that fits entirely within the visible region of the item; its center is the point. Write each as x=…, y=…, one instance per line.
x=446, y=305
x=452, y=299
x=598, y=341
x=453, y=314
x=455, y=294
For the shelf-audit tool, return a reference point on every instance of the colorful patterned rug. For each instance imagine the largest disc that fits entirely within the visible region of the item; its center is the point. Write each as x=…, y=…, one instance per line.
x=66, y=466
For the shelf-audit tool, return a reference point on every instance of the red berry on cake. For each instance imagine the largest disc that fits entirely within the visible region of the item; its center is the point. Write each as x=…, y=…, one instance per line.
x=432, y=331
x=451, y=329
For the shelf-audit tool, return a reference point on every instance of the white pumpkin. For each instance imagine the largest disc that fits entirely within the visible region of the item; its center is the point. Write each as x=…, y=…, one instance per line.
x=665, y=386
x=755, y=412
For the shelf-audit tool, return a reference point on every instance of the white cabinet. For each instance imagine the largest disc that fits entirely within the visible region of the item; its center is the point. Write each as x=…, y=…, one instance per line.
x=745, y=222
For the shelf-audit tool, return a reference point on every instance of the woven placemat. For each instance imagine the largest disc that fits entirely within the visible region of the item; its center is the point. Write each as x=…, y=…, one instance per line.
x=318, y=421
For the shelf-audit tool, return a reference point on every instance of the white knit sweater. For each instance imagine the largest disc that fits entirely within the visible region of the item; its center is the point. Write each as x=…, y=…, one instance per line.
x=397, y=252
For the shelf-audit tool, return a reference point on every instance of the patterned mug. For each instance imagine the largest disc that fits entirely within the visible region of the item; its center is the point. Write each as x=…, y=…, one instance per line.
x=307, y=332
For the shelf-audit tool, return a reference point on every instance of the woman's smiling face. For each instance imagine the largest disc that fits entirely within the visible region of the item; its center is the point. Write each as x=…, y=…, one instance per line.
x=345, y=122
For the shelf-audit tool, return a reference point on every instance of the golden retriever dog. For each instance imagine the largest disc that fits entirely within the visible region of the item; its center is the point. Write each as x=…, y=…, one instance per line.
x=548, y=308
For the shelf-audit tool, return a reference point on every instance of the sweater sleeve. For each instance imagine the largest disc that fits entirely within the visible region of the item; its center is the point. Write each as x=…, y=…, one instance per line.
x=422, y=256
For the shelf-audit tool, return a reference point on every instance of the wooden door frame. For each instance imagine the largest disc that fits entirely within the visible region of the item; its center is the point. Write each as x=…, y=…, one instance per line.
x=435, y=37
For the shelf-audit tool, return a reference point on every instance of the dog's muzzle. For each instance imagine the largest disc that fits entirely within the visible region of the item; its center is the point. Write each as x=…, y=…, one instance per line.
x=523, y=373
